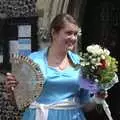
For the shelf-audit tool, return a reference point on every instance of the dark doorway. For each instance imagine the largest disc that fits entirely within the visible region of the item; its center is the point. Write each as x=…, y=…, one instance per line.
x=101, y=25
x=9, y=31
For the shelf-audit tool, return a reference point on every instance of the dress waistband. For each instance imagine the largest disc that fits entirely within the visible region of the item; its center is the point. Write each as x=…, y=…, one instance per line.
x=65, y=104
x=42, y=109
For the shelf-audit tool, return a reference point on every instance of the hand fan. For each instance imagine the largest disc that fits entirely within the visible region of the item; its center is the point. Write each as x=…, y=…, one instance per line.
x=30, y=80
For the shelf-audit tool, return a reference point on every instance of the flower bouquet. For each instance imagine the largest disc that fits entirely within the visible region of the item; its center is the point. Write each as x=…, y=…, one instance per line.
x=98, y=71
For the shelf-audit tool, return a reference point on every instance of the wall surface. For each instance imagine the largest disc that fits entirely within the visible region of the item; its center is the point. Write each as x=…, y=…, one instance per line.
x=47, y=10
x=17, y=8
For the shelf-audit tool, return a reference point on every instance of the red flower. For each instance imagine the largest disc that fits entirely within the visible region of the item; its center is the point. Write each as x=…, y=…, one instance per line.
x=103, y=64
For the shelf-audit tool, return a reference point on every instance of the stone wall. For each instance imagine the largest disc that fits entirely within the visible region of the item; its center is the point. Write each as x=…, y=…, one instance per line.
x=17, y=8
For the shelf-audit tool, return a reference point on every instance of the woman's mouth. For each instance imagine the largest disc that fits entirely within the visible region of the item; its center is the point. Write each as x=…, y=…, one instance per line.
x=70, y=45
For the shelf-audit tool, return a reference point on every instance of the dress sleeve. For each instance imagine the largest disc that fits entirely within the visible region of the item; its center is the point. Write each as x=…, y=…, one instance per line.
x=39, y=58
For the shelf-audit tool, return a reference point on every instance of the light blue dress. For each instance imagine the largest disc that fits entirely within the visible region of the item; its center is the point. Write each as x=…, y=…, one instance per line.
x=59, y=85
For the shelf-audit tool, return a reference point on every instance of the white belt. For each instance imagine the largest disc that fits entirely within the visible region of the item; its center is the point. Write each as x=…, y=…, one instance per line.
x=42, y=109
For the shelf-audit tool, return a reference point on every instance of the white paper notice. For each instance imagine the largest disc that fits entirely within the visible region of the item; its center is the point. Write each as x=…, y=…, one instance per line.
x=24, y=46
x=14, y=47
x=24, y=31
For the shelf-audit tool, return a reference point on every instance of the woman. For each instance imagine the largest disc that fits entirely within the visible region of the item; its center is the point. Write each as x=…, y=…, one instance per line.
x=61, y=97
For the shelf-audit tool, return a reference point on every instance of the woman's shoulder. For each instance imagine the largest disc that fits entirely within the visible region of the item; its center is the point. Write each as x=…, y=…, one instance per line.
x=37, y=54
x=74, y=57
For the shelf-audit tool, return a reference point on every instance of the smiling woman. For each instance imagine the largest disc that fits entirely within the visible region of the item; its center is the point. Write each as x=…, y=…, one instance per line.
x=61, y=97
x=64, y=38
x=63, y=31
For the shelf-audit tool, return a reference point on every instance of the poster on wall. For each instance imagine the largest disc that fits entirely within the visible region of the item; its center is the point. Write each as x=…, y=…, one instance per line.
x=20, y=46
x=13, y=47
x=24, y=31
x=24, y=46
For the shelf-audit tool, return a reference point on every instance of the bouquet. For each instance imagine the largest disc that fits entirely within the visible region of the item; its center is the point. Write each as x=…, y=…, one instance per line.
x=98, y=70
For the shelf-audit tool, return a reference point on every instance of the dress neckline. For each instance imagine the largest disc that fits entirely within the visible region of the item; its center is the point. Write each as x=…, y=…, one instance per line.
x=54, y=68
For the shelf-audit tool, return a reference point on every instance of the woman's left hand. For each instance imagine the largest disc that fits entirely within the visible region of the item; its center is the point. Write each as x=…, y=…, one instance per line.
x=103, y=94
x=100, y=96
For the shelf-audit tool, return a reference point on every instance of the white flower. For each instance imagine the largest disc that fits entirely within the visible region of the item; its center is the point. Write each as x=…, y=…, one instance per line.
x=82, y=63
x=95, y=49
x=106, y=52
x=93, y=60
x=99, y=51
x=102, y=57
x=96, y=80
x=98, y=64
x=98, y=59
x=90, y=57
x=93, y=67
x=87, y=63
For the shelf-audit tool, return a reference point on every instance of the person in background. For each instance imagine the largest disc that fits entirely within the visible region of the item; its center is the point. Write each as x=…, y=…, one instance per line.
x=61, y=97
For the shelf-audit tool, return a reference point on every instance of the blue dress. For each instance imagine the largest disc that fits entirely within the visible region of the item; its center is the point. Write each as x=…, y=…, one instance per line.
x=59, y=85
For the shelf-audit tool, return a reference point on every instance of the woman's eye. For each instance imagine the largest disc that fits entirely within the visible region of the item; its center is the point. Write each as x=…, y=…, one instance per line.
x=69, y=33
x=75, y=33
x=72, y=33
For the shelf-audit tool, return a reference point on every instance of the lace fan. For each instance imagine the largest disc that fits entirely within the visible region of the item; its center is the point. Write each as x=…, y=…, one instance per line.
x=30, y=79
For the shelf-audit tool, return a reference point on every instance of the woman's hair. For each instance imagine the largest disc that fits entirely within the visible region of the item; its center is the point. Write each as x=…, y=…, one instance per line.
x=59, y=22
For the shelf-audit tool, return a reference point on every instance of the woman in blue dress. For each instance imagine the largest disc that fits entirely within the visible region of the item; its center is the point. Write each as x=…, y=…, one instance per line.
x=61, y=97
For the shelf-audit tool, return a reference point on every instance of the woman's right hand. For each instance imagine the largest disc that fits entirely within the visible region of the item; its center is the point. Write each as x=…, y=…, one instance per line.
x=10, y=82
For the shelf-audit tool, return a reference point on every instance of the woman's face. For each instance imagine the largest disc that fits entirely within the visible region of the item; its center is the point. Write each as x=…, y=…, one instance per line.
x=66, y=38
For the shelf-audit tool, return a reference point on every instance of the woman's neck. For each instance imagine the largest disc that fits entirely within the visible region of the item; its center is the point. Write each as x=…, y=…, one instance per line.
x=57, y=58
x=57, y=53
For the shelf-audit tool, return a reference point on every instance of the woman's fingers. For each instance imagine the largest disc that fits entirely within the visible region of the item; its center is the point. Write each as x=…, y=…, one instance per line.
x=10, y=82
x=102, y=94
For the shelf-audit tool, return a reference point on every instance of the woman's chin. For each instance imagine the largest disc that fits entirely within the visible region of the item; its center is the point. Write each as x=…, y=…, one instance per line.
x=71, y=48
